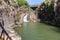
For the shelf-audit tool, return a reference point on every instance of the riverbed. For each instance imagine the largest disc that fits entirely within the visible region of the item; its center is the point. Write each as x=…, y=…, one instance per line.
x=38, y=31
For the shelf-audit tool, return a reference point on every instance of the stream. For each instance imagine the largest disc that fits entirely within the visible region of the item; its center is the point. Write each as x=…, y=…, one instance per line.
x=38, y=31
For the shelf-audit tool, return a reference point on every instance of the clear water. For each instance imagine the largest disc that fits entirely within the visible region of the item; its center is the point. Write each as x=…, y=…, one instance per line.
x=38, y=31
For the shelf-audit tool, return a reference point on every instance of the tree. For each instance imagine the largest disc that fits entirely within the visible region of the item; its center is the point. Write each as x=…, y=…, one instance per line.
x=22, y=2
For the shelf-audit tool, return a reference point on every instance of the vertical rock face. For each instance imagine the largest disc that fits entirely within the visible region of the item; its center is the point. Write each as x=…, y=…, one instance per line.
x=50, y=12
x=8, y=10
x=57, y=11
x=0, y=21
x=33, y=16
x=57, y=6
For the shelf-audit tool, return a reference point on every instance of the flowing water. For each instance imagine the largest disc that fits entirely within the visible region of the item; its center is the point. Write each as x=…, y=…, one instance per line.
x=25, y=19
x=38, y=31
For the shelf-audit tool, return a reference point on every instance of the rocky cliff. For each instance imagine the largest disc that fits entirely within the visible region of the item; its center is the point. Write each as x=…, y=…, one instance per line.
x=48, y=12
x=8, y=8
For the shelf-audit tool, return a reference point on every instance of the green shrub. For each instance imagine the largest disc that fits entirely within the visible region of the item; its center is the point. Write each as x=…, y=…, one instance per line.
x=22, y=2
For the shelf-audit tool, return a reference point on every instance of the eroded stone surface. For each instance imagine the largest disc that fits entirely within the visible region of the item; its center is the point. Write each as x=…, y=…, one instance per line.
x=8, y=18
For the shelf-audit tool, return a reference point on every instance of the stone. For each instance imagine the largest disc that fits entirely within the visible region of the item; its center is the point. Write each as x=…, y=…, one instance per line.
x=8, y=18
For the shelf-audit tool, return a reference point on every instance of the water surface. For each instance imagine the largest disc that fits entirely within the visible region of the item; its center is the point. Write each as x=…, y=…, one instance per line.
x=38, y=31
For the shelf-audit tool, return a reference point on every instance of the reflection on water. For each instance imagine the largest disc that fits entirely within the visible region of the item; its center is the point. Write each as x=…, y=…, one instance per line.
x=38, y=31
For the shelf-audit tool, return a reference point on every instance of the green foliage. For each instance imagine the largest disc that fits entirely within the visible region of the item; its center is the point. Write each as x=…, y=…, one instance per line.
x=49, y=2
x=22, y=2
x=49, y=5
x=47, y=11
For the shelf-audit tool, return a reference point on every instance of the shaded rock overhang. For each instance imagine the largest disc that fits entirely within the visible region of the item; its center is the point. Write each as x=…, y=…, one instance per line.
x=34, y=7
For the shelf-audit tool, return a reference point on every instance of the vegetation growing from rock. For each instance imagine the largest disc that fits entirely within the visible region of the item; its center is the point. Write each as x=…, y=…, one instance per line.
x=47, y=14
x=22, y=3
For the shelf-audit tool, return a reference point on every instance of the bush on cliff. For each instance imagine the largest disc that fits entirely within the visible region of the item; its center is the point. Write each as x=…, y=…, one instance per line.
x=22, y=2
